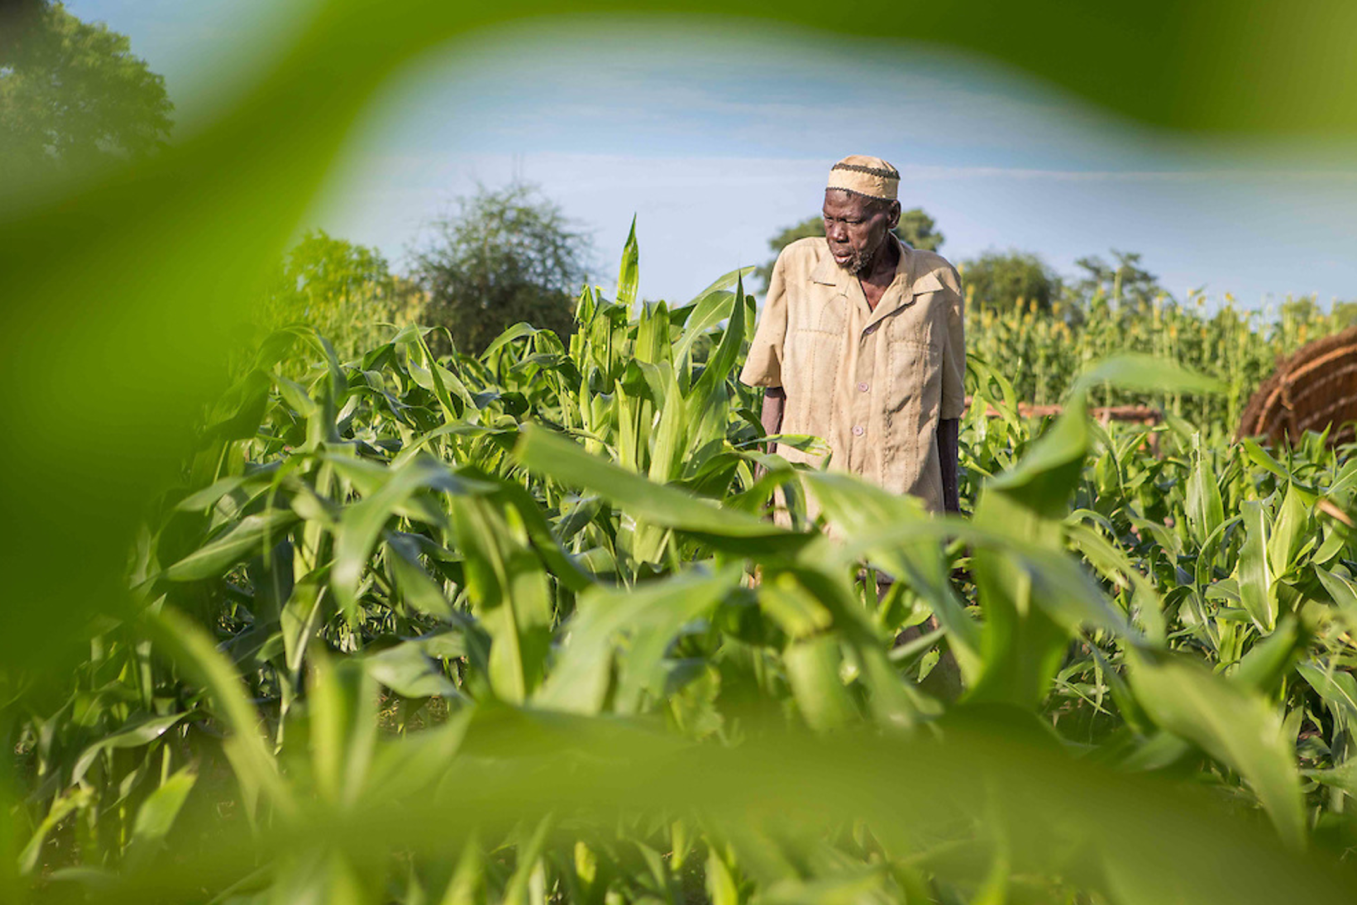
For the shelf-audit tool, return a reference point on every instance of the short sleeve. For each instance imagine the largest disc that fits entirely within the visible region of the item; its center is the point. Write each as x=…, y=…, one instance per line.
x=763, y=366
x=953, y=404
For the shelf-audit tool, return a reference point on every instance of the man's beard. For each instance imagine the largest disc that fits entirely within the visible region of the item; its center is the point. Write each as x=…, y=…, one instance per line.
x=861, y=262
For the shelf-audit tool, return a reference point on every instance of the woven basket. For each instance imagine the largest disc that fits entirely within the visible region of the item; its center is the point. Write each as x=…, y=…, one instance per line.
x=1311, y=390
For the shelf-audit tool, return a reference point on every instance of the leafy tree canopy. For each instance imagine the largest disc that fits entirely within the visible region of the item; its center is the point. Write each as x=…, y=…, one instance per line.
x=916, y=229
x=808, y=228
x=1001, y=280
x=1346, y=312
x=1122, y=283
x=504, y=256
x=346, y=291
x=72, y=94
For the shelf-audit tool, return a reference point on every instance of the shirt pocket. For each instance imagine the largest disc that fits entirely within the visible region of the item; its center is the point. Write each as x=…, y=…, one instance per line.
x=815, y=351
x=814, y=368
x=828, y=315
x=913, y=367
x=914, y=357
x=915, y=323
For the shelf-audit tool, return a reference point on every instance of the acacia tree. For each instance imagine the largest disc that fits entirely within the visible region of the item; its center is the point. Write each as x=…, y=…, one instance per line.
x=502, y=257
x=72, y=94
x=916, y=229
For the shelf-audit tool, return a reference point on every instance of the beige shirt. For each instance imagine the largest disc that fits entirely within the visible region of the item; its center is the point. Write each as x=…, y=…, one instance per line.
x=873, y=384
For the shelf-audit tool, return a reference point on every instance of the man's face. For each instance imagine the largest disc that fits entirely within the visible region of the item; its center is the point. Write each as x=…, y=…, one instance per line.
x=856, y=228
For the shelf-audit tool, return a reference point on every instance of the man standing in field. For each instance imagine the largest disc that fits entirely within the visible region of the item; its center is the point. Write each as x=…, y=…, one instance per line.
x=861, y=342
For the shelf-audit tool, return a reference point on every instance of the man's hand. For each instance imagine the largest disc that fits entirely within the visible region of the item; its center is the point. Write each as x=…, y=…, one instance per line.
x=949, y=454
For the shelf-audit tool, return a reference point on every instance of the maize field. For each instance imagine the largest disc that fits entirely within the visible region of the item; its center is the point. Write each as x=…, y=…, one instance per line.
x=512, y=628
x=398, y=627
x=1044, y=353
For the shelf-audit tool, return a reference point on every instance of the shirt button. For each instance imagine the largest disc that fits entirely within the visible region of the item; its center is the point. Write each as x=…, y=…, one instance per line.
x=862, y=387
x=858, y=430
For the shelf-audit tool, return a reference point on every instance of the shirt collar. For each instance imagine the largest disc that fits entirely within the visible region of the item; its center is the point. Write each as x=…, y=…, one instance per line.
x=829, y=273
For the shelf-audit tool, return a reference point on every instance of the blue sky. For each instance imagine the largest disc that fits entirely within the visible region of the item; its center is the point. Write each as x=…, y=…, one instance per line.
x=716, y=136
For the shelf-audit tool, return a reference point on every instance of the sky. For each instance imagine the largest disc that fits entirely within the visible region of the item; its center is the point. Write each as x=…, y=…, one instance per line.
x=716, y=136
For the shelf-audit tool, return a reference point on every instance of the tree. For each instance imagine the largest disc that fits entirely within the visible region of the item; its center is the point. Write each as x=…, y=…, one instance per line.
x=1303, y=310
x=1125, y=283
x=505, y=256
x=345, y=291
x=1000, y=280
x=1345, y=313
x=916, y=229
x=72, y=94
x=806, y=229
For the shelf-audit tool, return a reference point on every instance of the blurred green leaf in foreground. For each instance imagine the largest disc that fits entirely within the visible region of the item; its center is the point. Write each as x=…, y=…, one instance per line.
x=322, y=521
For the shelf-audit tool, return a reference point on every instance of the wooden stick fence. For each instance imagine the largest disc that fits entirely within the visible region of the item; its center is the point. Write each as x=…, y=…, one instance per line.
x=1138, y=414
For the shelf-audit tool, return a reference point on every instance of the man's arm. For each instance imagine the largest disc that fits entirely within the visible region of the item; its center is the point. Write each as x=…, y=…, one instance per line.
x=953, y=403
x=774, y=402
x=949, y=454
x=763, y=365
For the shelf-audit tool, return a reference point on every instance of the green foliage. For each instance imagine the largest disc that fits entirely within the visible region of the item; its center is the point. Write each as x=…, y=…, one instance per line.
x=343, y=291
x=916, y=229
x=1345, y=314
x=504, y=256
x=72, y=94
x=1043, y=352
x=377, y=522
x=809, y=228
x=1008, y=280
x=1124, y=284
x=402, y=583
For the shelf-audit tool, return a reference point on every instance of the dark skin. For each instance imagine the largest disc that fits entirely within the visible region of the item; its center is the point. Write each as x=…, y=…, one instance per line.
x=858, y=230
